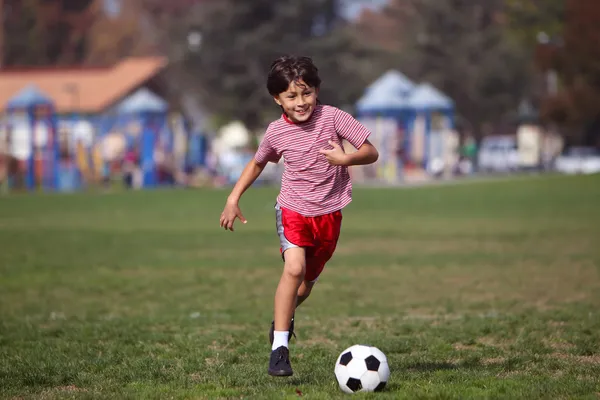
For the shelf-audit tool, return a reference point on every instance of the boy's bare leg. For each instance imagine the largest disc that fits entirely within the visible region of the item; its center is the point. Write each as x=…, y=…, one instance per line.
x=304, y=291
x=291, y=280
x=301, y=295
x=285, y=303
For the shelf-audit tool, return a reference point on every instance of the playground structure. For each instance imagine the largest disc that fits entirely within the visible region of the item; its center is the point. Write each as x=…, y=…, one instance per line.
x=139, y=141
x=30, y=137
x=412, y=125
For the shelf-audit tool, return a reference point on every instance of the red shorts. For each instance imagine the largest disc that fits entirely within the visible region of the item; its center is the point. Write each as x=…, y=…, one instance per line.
x=318, y=235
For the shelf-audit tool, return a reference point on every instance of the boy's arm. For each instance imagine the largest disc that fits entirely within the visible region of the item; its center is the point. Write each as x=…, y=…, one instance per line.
x=250, y=173
x=232, y=210
x=350, y=129
x=253, y=169
x=366, y=154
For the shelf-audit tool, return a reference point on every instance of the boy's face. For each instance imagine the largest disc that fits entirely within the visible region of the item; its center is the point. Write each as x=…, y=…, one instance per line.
x=298, y=101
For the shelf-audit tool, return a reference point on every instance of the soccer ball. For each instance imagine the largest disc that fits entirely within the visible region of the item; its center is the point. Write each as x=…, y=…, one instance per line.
x=362, y=368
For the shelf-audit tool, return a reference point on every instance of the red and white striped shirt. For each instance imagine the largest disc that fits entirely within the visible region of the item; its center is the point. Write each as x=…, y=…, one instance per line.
x=310, y=185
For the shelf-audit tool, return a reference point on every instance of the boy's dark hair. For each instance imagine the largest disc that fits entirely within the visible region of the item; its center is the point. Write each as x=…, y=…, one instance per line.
x=288, y=69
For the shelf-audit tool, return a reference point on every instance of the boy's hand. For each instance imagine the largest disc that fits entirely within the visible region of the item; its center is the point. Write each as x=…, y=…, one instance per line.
x=229, y=214
x=335, y=156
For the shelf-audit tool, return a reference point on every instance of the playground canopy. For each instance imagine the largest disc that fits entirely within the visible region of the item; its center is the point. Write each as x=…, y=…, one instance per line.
x=426, y=97
x=394, y=95
x=143, y=100
x=29, y=96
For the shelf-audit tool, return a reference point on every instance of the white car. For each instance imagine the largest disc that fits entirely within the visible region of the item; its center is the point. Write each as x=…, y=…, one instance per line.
x=498, y=154
x=579, y=160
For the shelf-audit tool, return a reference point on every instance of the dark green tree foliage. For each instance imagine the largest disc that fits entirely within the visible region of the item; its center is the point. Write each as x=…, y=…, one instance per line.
x=461, y=47
x=242, y=38
x=45, y=32
x=23, y=33
x=575, y=57
x=527, y=19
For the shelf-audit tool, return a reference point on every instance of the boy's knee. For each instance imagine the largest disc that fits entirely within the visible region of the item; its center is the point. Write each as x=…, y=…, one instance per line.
x=295, y=270
x=295, y=263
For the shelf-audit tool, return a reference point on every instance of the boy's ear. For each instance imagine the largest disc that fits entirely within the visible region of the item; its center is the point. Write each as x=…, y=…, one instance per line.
x=276, y=98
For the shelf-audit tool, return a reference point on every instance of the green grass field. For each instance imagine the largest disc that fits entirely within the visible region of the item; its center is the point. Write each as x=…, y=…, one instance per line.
x=482, y=290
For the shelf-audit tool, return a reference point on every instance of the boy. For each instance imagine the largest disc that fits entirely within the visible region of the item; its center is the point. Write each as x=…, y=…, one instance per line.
x=315, y=186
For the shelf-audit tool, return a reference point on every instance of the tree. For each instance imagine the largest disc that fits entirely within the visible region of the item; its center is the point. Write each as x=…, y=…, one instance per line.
x=462, y=47
x=23, y=34
x=57, y=32
x=387, y=28
x=577, y=104
x=109, y=39
x=530, y=21
x=240, y=39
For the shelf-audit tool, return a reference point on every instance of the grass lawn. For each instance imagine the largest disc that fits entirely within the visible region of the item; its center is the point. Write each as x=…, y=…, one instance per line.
x=482, y=290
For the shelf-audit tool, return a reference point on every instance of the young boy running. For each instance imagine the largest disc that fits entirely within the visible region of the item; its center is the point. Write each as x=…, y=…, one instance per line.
x=315, y=186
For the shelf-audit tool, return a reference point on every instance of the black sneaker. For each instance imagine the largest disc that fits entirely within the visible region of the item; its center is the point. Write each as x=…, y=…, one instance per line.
x=279, y=364
x=272, y=331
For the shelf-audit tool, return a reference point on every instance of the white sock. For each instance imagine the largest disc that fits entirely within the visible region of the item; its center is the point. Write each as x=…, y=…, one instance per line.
x=280, y=338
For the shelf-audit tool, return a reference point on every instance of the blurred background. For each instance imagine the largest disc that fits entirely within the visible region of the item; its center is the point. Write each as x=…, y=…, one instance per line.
x=110, y=94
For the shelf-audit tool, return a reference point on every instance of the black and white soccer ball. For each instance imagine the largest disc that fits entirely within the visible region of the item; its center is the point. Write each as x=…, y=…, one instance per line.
x=362, y=368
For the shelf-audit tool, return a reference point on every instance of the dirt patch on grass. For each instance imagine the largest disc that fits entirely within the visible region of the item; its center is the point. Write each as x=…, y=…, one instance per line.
x=456, y=245
x=528, y=283
x=464, y=347
x=225, y=344
x=486, y=341
x=493, y=361
x=214, y=253
x=429, y=246
x=558, y=344
x=509, y=374
x=339, y=326
x=422, y=314
x=556, y=324
x=317, y=341
x=196, y=377
x=55, y=392
x=594, y=359
x=213, y=361
x=494, y=342
x=69, y=388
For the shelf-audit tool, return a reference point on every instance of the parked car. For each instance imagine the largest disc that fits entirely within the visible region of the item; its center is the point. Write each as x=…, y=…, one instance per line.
x=498, y=154
x=579, y=160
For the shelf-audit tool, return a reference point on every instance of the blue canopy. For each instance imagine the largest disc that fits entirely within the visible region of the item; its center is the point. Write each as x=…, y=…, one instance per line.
x=388, y=94
x=392, y=81
x=28, y=97
x=426, y=97
x=378, y=100
x=143, y=100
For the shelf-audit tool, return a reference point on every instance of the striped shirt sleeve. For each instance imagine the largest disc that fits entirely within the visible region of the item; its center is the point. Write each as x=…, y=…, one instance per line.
x=266, y=152
x=347, y=127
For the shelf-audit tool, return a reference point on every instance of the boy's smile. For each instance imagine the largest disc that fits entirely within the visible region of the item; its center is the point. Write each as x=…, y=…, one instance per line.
x=298, y=101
